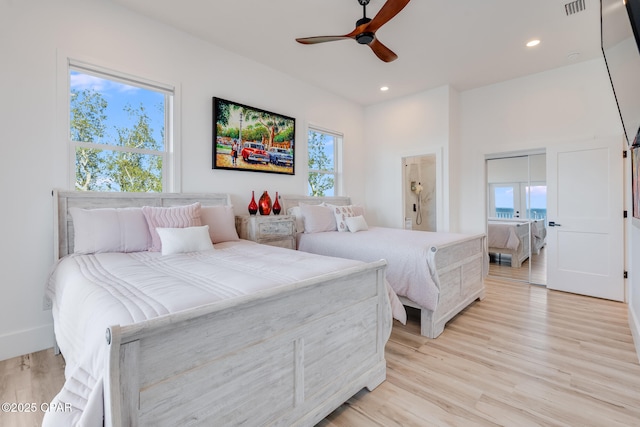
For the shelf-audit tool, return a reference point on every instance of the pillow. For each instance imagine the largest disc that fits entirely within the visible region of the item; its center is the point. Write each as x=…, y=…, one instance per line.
x=356, y=223
x=317, y=219
x=187, y=239
x=221, y=221
x=296, y=212
x=342, y=213
x=170, y=217
x=109, y=230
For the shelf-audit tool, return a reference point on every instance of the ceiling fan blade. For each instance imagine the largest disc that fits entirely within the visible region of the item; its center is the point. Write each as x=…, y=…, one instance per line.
x=390, y=9
x=382, y=52
x=322, y=39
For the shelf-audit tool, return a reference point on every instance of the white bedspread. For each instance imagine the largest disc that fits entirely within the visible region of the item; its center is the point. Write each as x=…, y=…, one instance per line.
x=411, y=269
x=503, y=235
x=92, y=292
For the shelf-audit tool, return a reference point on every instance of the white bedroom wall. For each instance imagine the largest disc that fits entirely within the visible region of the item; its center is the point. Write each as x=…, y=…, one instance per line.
x=33, y=35
x=572, y=103
x=533, y=112
x=409, y=126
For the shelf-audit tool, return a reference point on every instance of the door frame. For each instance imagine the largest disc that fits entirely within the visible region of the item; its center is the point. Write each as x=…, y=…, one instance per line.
x=441, y=187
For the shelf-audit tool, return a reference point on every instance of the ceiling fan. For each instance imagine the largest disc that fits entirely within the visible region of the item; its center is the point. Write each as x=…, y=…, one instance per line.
x=365, y=31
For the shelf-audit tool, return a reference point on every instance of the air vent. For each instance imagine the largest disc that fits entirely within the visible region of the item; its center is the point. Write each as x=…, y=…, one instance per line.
x=574, y=7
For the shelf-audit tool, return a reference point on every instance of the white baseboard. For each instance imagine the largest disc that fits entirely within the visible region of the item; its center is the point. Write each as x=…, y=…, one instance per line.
x=634, y=324
x=26, y=341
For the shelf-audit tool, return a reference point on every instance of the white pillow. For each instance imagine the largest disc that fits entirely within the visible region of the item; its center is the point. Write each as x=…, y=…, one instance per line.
x=356, y=223
x=341, y=213
x=317, y=219
x=170, y=217
x=221, y=221
x=296, y=212
x=187, y=239
x=109, y=230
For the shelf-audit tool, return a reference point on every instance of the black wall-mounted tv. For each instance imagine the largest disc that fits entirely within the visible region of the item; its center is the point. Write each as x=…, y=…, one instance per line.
x=620, y=36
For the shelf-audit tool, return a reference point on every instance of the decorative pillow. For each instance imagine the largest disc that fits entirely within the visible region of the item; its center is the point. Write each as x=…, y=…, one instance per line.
x=109, y=230
x=170, y=217
x=221, y=221
x=181, y=240
x=342, y=213
x=296, y=212
x=317, y=218
x=356, y=223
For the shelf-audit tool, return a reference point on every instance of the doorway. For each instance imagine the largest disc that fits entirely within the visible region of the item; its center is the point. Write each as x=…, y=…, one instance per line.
x=420, y=192
x=517, y=217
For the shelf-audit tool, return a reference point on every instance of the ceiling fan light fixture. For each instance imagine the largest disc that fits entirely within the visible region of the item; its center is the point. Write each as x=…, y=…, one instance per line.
x=365, y=30
x=365, y=38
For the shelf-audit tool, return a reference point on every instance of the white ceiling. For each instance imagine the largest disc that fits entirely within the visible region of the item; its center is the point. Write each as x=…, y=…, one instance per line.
x=463, y=43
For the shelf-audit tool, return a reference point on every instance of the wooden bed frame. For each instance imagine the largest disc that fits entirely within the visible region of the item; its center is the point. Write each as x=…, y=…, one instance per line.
x=519, y=255
x=234, y=362
x=461, y=266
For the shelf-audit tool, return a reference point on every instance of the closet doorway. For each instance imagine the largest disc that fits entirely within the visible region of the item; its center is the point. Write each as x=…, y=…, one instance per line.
x=517, y=217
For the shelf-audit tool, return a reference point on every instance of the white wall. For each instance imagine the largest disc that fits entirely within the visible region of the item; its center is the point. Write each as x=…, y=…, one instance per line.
x=33, y=36
x=410, y=126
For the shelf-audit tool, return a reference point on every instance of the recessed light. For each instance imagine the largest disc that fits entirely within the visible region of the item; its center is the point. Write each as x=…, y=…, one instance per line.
x=384, y=88
x=533, y=43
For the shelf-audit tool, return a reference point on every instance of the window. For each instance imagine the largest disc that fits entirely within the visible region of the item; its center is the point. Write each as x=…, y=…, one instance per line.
x=324, y=162
x=119, y=131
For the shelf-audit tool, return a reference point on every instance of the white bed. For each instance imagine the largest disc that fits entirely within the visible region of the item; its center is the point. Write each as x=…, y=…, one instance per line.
x=438, y=273
x=513, y=236
x=241, y=333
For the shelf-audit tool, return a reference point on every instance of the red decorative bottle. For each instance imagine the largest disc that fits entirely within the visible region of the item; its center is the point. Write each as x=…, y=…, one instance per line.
x=276, y=206
x=264, y=204
x=253, y=206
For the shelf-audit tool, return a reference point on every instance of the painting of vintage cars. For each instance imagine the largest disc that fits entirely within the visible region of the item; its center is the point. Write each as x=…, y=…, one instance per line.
x=250, y=139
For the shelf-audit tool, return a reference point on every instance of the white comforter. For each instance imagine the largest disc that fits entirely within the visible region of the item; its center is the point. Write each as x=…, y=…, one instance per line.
x=410, y=255
x=92, y=292
x=503, y=235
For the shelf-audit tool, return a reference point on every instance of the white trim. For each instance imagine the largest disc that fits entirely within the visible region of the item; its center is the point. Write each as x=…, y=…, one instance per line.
x=171, y=174
x=26, y=341
x=634, y=325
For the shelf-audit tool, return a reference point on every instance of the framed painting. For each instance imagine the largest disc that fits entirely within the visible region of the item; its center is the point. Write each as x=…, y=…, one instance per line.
x=251, y=139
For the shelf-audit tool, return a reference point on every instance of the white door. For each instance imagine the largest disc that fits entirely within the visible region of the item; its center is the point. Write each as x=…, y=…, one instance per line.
x=585, y=246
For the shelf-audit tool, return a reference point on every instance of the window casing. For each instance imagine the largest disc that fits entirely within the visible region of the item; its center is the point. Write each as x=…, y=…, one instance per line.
x=324, y=161
x=120, y=131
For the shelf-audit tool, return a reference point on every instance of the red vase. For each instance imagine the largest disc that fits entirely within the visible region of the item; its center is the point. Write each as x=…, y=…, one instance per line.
x=253, y=206
x=264, y=204
x=276, y=206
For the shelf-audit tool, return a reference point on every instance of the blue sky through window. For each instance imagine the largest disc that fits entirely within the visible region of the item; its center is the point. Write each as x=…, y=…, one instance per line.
x=118, y=95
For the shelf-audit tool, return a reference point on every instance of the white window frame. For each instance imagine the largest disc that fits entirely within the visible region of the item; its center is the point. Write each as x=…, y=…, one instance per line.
x=337, y=158
x=171, y=153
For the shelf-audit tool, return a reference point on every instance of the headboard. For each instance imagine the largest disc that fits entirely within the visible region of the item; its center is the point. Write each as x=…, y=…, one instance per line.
x=290, y=201
x=63, y=200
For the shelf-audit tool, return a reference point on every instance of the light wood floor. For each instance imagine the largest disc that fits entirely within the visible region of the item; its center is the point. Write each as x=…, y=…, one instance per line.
x=501, y=267
x=524, y=356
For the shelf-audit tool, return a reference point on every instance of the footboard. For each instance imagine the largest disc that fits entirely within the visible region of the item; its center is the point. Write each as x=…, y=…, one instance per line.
x=461, y=267
x=288, y=356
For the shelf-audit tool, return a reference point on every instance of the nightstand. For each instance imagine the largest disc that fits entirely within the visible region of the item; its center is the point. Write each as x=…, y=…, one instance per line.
x=274, y=230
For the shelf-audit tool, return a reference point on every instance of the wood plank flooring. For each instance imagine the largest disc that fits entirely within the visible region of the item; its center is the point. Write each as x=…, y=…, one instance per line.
x=523, y=356
x=501, y=267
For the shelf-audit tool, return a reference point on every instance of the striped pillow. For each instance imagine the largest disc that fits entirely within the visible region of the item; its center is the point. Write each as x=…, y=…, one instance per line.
x=170, y=217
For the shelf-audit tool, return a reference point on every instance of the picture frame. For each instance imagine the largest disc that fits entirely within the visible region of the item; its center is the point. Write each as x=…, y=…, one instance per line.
x=635, y=180
x=252, y=139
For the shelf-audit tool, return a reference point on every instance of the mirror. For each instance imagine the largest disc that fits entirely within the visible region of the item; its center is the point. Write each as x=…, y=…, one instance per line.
x=516, y=217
